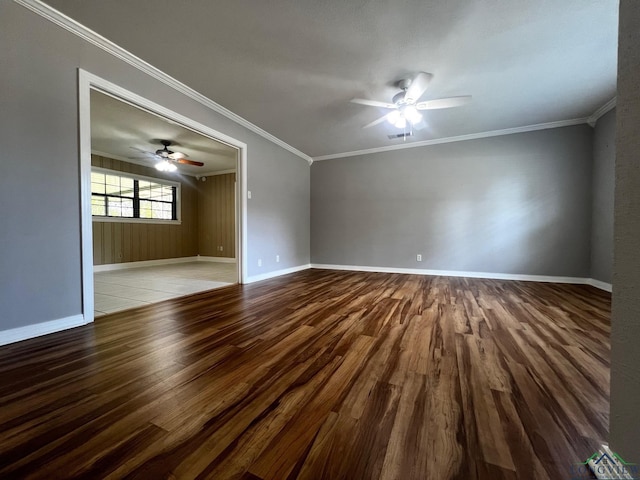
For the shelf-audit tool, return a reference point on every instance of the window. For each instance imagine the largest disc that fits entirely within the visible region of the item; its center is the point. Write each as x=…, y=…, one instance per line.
x=118, y=195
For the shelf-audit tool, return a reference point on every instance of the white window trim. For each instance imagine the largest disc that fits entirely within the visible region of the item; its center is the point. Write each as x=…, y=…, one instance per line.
x=146, y=221
x=178, y=185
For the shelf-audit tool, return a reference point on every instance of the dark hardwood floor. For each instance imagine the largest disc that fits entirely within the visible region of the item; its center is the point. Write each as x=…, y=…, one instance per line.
x=318, y=375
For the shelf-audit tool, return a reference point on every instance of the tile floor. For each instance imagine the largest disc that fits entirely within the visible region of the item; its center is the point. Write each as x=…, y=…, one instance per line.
x=122, y=289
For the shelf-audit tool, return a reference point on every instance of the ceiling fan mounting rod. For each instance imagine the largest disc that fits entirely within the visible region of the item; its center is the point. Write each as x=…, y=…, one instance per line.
x=165, y=152
x=404, y=84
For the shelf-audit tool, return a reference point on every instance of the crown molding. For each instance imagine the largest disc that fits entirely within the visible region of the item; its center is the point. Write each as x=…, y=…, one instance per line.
x=606, y=108
x=459, y=138
x=218, y=172
x=591, y=120
x=69, y=24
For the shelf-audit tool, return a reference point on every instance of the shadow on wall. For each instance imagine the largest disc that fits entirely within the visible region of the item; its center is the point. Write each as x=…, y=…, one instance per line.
x=501, y=229
x=517, y=204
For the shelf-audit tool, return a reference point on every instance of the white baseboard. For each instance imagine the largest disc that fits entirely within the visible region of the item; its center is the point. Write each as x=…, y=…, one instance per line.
x=202, y=258
x=607, y=287
x=145, y=263
x=31, y=331
x=276, y=273
x=453, y=273
x=163, y=261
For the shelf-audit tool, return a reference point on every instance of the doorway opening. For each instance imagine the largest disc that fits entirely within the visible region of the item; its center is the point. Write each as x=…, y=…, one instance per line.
x=163, y=203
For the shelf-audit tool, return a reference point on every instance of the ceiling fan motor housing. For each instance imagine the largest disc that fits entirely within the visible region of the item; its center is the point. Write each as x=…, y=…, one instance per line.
x=398, y=98
x=404, y=84
x=164, y=152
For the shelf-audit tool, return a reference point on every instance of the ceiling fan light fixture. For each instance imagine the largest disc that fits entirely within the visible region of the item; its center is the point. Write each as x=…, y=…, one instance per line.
x=166, y=166
x=406, y=115
x=411, y=113
x=393, y=117
x=401, y=122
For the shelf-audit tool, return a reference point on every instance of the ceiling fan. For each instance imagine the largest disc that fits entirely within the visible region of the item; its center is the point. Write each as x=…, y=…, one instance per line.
x=405, y=109
x=167, y=159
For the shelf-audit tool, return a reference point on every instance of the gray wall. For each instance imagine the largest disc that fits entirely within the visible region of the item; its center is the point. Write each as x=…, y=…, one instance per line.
x=516, y=204
x=604, y=160
x=39, y=184
x=625, y=333
x=280, y=209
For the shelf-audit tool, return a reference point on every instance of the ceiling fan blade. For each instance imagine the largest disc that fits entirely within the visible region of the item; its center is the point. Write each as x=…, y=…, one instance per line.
x=188, y=162
x=373, y=103
x=376, y=122
x=444, y=103
x=417, y=87
x=145, y=152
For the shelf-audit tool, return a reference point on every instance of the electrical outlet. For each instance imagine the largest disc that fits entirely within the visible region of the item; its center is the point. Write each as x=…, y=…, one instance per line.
x=249, y=194
x=277, y=258
x=419, y=258
x=259, y=262
x=221, y=248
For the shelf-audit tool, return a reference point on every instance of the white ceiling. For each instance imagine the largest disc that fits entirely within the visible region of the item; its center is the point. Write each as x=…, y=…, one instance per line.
x=125, y=132
x=291, y=66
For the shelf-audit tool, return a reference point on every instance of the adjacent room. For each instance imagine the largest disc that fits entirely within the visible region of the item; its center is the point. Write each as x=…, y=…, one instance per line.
x=320, y=240
x=158, y=232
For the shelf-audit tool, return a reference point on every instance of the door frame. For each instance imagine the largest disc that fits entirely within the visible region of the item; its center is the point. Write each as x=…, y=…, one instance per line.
x=87, y=82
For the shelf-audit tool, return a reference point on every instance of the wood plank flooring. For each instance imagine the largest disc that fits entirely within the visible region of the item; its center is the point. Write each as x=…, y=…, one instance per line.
x=318, y=375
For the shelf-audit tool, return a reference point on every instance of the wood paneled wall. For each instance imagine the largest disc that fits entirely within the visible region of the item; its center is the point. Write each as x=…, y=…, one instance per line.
x=216, y=210
x=115, y=242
